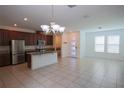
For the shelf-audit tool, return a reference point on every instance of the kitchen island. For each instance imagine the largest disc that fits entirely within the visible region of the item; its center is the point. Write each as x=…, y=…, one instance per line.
x=39, y=59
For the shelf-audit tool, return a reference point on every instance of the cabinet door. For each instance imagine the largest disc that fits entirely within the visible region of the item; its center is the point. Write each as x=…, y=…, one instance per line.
x=20, y=36
x=6, y=38
x=1, y=60
x=35, y=39
x=32, y=39
x=38, y=37
x=26, y=39
x=5, y=59
x=1, y=38
x=13, y=35
x=44, y=37
x=49, y=40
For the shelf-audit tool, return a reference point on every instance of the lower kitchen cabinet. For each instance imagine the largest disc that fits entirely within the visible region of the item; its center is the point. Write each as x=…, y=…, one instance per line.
x=5, y=59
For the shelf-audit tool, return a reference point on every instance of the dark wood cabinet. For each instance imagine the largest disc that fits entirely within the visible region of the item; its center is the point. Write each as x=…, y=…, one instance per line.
x=30, y=38
x=5, y=59
x=15, y=35
x=26, y=38
x=49, y=40
x=12, y=35
x=4, y=38
x=1, y=38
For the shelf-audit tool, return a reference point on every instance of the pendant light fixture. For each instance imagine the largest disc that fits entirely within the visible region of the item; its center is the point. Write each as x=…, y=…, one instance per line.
x=53, y=27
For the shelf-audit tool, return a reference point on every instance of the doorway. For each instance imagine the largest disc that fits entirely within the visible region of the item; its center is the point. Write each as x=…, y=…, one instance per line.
x=74, y=44
x=71, y=44
x=73, y=48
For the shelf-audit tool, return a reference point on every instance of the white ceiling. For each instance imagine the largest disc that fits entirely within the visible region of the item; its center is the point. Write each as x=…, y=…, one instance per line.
x=81, y=17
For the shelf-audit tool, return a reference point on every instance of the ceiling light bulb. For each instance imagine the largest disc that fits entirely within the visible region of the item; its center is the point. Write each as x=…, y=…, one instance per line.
x=45, y=28
x=15, y=24
x=25, y=19
x=61, y=29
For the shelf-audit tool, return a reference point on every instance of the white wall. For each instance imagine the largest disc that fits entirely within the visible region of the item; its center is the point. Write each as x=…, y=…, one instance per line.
x=66, y=43
x=82, y=44
x=89, y=52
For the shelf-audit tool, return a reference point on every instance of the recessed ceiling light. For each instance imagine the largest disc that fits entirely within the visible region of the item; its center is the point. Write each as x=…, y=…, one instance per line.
x=15, y=24
x=25, y=19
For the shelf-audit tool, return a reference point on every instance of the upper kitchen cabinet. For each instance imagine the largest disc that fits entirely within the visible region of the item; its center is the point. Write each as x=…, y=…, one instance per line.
x=49, y=40
x=4, y=37
x=39, y=35
x=29, y=38
x=47, y=37
x=1, y=37
x=15, y=35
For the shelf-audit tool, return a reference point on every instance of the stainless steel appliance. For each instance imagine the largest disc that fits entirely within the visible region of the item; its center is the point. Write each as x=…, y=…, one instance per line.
x=18, y=51
x=41, y=45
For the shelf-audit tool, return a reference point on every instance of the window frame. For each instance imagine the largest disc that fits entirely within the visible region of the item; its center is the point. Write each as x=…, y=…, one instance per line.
x=95, y=44
x=107, y=44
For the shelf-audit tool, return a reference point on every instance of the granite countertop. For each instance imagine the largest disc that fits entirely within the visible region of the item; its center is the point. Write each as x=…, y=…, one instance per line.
x=40, y=53
x=36, y=50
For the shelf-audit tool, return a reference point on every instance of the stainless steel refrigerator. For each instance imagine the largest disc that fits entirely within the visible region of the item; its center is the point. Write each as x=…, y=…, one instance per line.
x=18, y=51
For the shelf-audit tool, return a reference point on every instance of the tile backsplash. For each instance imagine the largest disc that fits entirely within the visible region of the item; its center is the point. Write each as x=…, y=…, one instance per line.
x=34, y=47
x=30, y=47
x=4, y=48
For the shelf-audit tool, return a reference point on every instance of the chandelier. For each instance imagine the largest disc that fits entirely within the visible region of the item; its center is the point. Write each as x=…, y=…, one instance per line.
x=53, y=27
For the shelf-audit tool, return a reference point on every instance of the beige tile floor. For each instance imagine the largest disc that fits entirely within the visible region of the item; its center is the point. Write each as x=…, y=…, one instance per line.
x=68, y=73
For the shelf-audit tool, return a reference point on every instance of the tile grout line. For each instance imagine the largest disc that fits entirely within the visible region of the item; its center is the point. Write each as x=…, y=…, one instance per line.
x=17, y=78
x=33, y=78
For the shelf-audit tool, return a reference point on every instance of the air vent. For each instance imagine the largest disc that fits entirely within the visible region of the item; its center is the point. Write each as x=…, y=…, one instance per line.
x=86, y=16
x=100, y=27
x=71, y=6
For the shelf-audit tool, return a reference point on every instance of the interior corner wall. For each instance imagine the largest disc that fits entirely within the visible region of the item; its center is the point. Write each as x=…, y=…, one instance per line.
x=82, y=44
x=90, y=45
x=67, y=37
x=65, y=45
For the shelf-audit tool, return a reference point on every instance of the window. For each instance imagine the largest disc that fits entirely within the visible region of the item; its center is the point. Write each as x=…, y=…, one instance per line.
x=99, y=43
x=113, y=42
